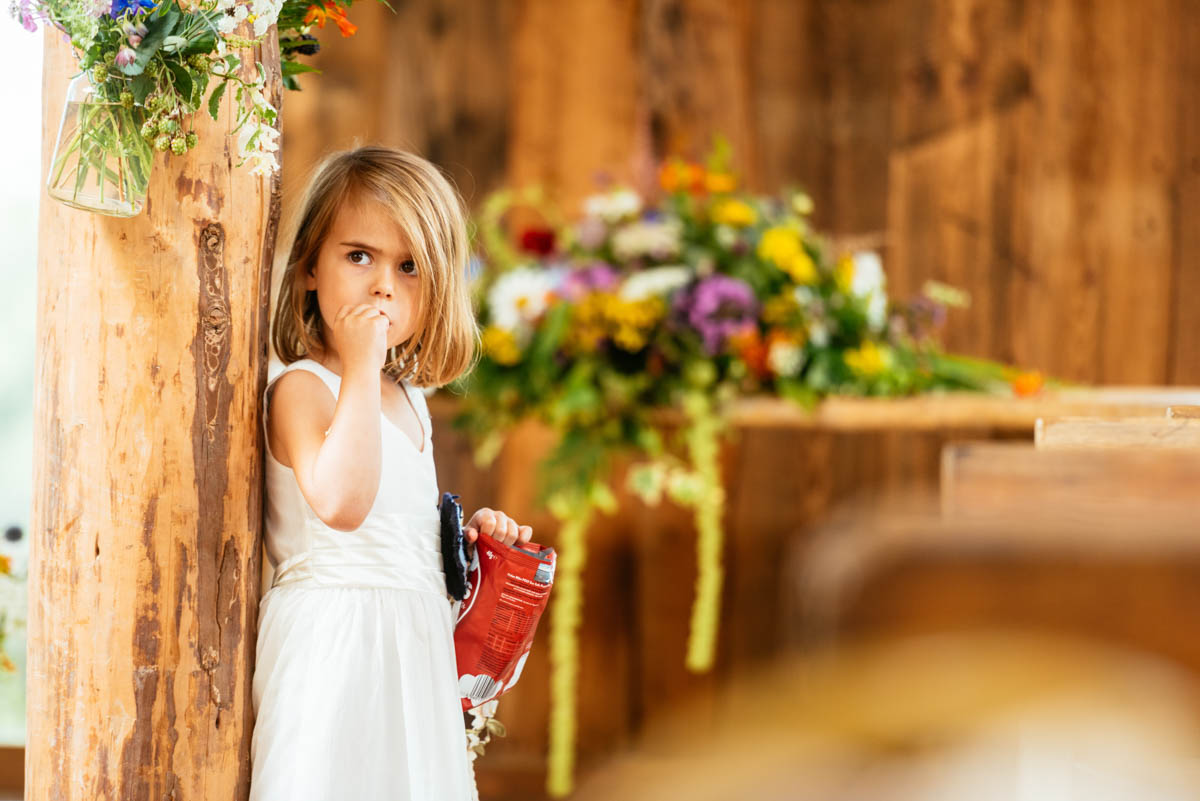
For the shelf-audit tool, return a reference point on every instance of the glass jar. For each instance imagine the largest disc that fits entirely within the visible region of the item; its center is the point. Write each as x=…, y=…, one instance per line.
x=101, y=161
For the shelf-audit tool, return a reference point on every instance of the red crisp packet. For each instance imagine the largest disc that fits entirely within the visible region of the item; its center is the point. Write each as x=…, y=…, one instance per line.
x=508, y=588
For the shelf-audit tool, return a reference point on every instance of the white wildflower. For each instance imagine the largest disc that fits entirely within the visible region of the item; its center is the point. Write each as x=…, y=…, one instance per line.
x=726, y=237
x=785, y=357
x=519, y=297
x=236, y=12
x=868, y=274
x=653, y=238
x=870, y=284
x=613, y=206
x=257, y=145
x=658, y=281
x=265, y=12
x=818, y=333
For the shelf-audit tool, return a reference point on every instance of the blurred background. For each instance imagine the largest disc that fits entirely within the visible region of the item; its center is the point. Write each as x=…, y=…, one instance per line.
x=1043, y=155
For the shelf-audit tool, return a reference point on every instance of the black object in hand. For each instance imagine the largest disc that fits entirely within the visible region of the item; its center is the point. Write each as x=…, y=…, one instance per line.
x=454, y=547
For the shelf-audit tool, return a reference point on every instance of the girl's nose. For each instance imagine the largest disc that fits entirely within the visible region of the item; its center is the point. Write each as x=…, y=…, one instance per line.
x=383, y=285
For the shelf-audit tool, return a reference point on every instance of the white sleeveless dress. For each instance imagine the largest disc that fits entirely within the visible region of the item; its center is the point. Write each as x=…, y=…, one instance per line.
x=355, y=687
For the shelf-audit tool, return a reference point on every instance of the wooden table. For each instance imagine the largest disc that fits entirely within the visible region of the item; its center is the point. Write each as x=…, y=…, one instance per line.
x=785, y=469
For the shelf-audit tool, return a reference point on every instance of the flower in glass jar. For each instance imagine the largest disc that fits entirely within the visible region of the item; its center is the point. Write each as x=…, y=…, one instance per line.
x=125, y=56
x=25, y=13
x=131, y=7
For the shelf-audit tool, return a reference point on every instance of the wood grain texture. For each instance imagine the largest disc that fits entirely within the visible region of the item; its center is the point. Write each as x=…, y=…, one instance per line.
x=695, y=79
x=1043, y=156
x=1138, y=433
x=981, y=480
x=431, y=77
x=147, y=512
x=574, y=118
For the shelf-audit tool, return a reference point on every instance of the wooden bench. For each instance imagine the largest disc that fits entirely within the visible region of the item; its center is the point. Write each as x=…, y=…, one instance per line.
x=1141, y=432
x=986, y=479
x=1102, y=579
x=1100, y=543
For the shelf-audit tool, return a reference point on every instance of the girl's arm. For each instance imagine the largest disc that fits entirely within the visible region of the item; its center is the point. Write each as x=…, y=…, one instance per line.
x=338, y=474
x=335, y=448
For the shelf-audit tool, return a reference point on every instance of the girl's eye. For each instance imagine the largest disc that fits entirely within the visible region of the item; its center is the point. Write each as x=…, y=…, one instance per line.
x=354, y=254
x=408, y=267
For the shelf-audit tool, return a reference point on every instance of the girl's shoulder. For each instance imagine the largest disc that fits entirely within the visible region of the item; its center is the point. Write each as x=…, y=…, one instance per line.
x=331, y=379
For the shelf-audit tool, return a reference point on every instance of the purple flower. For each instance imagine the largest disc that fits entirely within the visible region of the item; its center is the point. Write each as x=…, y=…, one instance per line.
x=125, y=57
x=591, y=232
x=597, y=275
x=24, y=12
x=717, y=307
x=119, y=7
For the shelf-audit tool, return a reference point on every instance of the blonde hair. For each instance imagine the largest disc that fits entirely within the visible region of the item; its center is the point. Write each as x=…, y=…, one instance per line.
x=430, y=212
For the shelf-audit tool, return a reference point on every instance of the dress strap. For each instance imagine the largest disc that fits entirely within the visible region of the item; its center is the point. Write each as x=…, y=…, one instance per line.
x=331, y=379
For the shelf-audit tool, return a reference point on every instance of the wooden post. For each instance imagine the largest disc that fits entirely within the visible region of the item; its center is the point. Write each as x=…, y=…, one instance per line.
x=147, y=508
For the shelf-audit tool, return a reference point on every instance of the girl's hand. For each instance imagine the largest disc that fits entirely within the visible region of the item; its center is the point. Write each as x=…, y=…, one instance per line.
x=498, y=526
x=359, y=334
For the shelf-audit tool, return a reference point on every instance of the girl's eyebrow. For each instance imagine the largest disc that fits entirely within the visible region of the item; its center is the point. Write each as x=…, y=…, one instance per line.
x=371, y=248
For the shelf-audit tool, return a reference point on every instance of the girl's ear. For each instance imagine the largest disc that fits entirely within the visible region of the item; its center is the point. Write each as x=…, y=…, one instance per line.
x=310, y=277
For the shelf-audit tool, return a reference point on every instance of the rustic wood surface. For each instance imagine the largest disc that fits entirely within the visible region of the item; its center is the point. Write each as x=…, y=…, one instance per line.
x=1042, y=156
x=147, y=508
x=1147, y=432
x=983, y=480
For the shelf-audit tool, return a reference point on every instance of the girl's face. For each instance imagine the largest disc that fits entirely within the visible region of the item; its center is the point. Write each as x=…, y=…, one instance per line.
x=365, y=259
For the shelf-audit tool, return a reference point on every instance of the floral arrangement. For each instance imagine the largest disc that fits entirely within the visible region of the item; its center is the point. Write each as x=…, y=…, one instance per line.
x=686, y=303
x=147, y=67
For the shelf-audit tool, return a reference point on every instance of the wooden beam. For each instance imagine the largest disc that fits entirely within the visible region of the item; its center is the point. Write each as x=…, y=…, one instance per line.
x=147, y=509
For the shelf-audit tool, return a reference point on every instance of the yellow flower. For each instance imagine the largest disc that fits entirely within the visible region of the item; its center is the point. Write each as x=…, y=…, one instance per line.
x=783, y=247
x=868, y=360
x=737, y=213
x=778, y=244
x=777, y=310
x=843, y=273
x=719, y=182
x=631, y=320
x=501, y=345
x=801, y=268
x=588, y=327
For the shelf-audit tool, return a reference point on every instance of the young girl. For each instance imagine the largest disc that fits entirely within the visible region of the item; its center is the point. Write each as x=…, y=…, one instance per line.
x=355, y=688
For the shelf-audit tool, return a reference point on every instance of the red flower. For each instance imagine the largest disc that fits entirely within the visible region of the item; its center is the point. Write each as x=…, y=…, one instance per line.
x=538, y=240
x=330, y=10
x=751, y=349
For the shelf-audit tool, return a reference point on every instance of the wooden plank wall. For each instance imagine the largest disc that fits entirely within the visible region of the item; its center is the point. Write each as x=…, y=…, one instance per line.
x=1043, y=155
